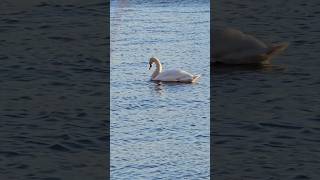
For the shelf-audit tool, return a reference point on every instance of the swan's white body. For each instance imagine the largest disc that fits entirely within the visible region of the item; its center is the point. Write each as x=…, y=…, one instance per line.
x=175, y=75
x=231, y=46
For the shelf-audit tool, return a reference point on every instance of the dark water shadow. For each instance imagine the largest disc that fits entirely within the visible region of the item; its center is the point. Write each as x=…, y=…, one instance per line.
x=218, y=68
x=160, y=86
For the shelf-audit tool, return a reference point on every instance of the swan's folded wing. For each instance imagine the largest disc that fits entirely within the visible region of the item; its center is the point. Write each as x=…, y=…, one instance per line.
x=174, y=75
x=229, y=41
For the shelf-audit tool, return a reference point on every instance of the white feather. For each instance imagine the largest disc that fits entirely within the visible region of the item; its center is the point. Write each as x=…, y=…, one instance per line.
x=174, y=75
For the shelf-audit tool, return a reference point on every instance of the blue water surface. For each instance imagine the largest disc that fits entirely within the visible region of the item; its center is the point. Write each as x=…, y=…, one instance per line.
x=159, y=130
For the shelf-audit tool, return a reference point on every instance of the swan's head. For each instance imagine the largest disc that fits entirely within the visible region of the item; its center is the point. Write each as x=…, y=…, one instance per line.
x=151, y=61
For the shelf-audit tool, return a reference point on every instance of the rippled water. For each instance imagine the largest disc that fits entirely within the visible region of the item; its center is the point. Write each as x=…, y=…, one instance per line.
x=159, y=130
x=53, y=90
x=266, y=121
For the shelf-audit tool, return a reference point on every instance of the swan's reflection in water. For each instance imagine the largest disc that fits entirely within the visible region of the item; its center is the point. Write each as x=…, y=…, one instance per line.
x=160, y=87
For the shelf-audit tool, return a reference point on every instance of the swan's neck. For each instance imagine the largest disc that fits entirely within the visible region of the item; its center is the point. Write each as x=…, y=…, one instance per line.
x=158, y=69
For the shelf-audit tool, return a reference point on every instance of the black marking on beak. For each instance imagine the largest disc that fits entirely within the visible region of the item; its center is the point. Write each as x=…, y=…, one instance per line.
x=150, y=66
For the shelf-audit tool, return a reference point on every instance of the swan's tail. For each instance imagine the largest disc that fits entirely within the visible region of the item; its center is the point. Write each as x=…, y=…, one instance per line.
x=195, y=78
x=277, y=49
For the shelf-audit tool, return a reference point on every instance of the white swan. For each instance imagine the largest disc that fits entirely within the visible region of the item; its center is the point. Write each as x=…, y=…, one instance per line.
x=175, y=75
x=231, y=46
